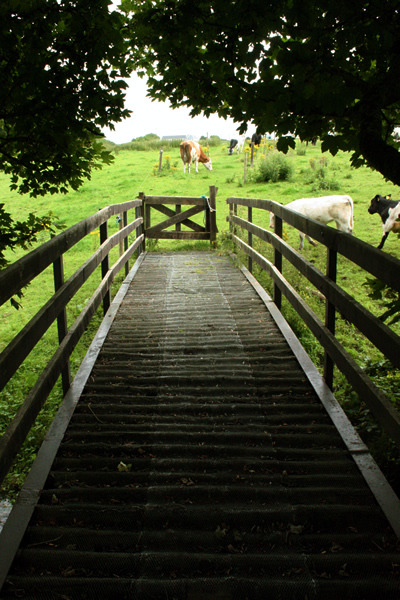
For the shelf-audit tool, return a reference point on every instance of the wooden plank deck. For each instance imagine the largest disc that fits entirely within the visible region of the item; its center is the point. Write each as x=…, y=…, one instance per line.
x=201, y=461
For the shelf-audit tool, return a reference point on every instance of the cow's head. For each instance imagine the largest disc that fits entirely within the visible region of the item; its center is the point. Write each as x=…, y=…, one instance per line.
x=376, y=203
x=208, y=164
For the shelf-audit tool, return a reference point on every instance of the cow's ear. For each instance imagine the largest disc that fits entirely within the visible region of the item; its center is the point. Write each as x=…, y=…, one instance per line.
x=388, y=196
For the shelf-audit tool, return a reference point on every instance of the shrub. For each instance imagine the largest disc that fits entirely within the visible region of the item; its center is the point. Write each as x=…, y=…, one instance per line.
x=272, y=167
x=320, y=176
x=301, y=149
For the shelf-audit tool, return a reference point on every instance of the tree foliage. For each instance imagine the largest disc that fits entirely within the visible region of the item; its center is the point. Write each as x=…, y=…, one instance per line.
x=327, y=69
x=61, y=69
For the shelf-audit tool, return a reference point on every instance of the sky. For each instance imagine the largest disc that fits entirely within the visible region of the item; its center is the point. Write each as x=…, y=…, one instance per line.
x=161, y=119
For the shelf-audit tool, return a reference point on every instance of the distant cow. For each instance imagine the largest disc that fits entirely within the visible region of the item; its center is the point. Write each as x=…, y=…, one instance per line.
x=238, y=144
x=193, y=152
x=232, y=145
x=324, y=210
x=256, y=138
x=389, y=212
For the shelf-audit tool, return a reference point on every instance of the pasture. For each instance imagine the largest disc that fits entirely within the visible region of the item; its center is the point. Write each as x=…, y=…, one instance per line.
x=313, y=174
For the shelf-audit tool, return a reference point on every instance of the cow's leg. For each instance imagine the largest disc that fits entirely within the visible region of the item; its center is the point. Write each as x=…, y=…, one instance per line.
x=383, y=240
x=312, y=242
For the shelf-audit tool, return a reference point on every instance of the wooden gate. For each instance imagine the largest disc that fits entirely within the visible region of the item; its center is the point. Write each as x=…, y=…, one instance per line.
x=176, y=218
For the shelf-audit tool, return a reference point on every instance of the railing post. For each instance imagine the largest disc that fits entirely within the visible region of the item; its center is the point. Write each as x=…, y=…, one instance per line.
x=250, y=237
x=278, y=262
x=62, y=326
x=213, y=214
x=105, y=265
x=140, y=211
x=330, y=315
x=126, y=241
x=120, y=226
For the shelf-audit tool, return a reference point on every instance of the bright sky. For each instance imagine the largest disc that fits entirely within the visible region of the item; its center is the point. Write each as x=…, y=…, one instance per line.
x=161, y=119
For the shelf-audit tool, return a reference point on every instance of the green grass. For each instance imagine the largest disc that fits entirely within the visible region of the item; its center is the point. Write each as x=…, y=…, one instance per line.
x=135, y=171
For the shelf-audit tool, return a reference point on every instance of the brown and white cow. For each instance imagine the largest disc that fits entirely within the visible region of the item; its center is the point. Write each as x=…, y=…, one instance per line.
x=193, y=152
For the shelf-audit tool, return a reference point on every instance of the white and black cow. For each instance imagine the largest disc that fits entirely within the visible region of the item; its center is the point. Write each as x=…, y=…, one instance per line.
x=193, y=152
x=233, y=143
x=324, y=210
x=389, y=212
x=237, y=143
x=256, y=139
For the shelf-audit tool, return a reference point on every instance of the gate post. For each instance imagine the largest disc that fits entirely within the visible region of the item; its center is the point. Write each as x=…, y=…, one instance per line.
x=213, y=216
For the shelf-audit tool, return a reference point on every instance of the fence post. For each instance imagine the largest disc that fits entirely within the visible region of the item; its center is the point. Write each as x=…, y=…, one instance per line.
x=252, y=154
x=250, y=237
x=160, y=161
x=278, y=262
x=330, y=315
x=62, y=326
x=105, y=265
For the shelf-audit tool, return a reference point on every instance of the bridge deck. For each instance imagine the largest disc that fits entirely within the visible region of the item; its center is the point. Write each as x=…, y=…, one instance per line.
x=201, y=464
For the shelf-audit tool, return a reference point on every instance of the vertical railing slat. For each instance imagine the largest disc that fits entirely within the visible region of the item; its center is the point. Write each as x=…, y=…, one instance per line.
x=62, y=325
x=250, y=237
x=126, y=241
x=105, y=265
x=278, y=262
x=330, y=314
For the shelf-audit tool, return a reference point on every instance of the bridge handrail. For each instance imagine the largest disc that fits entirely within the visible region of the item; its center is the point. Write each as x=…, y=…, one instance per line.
x=23, y=272
x=383, y=266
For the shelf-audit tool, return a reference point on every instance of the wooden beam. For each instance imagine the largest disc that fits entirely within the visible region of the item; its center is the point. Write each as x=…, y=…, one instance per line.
x=175, y=219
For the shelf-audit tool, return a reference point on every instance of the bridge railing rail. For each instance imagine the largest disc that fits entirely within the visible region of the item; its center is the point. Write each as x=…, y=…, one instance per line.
x=373, y=261
x=23, y=271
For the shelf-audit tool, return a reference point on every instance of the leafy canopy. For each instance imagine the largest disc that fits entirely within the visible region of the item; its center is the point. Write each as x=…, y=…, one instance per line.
x=327, y=68
x=61, y=64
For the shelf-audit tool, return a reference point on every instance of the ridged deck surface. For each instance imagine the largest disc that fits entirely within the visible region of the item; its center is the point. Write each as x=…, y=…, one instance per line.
x=199, y=463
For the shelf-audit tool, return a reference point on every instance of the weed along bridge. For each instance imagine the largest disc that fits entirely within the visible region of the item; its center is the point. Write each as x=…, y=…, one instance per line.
x=197, y=453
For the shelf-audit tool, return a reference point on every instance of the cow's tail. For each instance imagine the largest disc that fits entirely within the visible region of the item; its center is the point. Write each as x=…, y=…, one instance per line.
x=350, y=199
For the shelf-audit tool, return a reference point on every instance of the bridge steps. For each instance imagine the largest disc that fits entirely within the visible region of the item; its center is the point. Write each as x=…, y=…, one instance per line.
x=200, y=463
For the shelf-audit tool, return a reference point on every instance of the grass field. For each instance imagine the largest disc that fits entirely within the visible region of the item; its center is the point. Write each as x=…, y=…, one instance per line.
x=314, y=174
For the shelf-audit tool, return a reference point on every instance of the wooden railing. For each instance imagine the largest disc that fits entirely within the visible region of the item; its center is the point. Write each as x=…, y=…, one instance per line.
x=22, y=272
x=375, y=262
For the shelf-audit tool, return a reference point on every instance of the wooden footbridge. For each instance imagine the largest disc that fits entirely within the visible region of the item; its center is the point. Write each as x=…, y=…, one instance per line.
x=199, y=455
